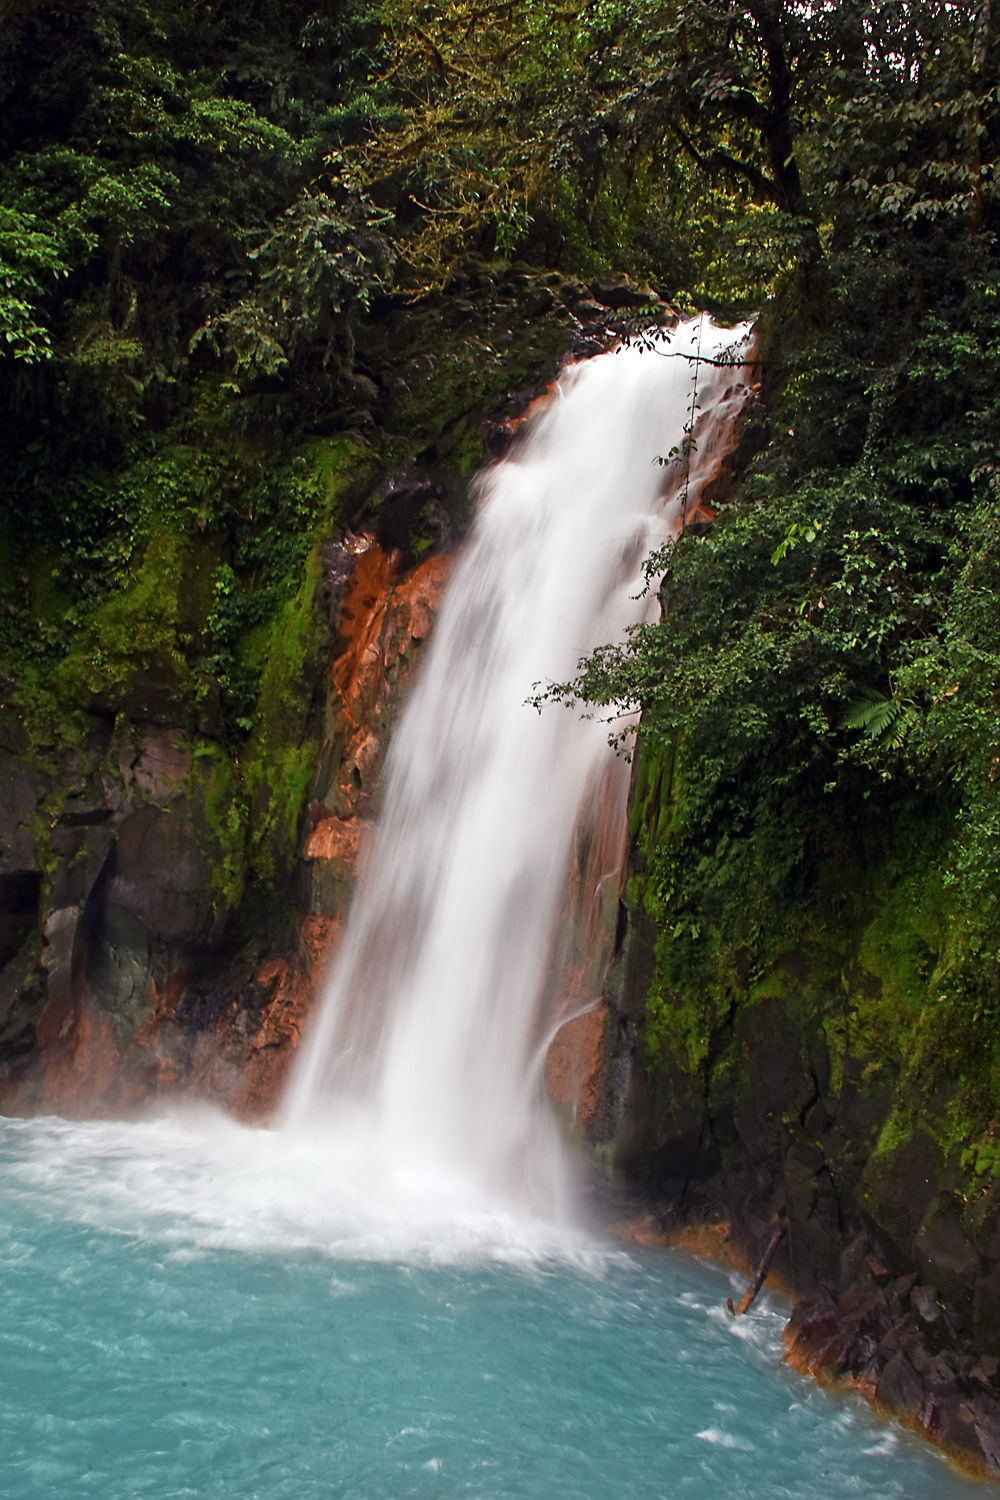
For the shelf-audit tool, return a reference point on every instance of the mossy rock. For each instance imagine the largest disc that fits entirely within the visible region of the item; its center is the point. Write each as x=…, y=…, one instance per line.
x=131, y=659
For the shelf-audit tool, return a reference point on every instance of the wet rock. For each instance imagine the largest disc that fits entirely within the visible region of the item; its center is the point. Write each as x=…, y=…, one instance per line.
x=588, y=343
x=361, y=388
x=811, y=1330
x=158, y=873
x=498, y=433
x=574, y=292
x=897, y=1188
x=20, y=874
x=19, y=896
x=982, y=1222
x=122, y=966
x=924, y=1300
x=408, y=502
x=573, y=1070
x=81, y=850
x=945, y=1257
x=338, y=564
x=858, y=1337
x=779, y=1080
x=986, y=1371
x=853, y=1259
x=159, y=767
x=590, y=312
x=868, y=1319
x=972, y=1427
x=815, y=1234
x=617, y=292
x=839, y=1336
x=538, y=301
x=900, y=1388
x=899, y=1292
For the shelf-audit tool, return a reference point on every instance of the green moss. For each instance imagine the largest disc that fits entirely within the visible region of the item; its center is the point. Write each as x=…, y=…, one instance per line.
x=654, y=815
x=834, y=1031
x=904, y=942
x=677, y=1020
x=982, y=1158
x=6, y=570
x=130, y=657
x=470, y=454
x=875, y=970
x=330, y=464
x=239, y=667
x=222, y=828
x=279, y=758
x=895, y=1133
x=677, y=1030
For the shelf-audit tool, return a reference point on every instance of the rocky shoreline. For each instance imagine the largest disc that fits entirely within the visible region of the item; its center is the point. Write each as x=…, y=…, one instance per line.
x=886, y=1337
x=889, y=1337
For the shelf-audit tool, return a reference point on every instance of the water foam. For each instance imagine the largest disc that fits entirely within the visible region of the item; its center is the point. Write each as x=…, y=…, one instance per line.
x=197, y=1180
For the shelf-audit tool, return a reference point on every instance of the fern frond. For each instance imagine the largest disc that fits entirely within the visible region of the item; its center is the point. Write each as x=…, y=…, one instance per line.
x=886, y=719
x=873, y=712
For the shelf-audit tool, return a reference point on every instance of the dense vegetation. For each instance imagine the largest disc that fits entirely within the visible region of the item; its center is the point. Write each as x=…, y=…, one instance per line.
x=819, y=763
x=208, y=211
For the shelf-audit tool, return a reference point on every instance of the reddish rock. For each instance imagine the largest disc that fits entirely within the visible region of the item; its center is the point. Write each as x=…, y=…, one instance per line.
x=838, y=1337
x=319, y=938
x=381, y=614
x=162, y=764
x=82, y=1064
x=580, y=1056
x=336, y=838
x=574, y=1067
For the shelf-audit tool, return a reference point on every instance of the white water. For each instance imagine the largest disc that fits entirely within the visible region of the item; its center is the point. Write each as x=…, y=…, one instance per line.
x=426, y=1055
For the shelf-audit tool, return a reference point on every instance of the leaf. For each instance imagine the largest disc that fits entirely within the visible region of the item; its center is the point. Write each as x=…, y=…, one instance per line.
x=884, y=719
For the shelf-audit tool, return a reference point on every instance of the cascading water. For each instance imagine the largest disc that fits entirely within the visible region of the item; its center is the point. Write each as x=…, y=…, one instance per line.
x=429, y=1040
x=193, y=1307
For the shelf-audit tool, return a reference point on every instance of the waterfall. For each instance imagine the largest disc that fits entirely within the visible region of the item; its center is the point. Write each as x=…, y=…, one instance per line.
x=428, y=1044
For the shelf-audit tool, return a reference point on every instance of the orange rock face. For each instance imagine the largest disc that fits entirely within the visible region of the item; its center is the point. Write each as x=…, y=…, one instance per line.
x=574, y=1068
x=578, y=1056
x=334, y=838
x=234, y=1044
x=81, y=1061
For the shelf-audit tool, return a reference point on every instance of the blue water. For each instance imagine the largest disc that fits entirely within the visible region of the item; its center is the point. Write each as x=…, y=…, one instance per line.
x=166, y=1334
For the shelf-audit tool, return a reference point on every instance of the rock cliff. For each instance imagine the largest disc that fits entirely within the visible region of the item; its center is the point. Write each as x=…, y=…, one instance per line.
x=180, y=827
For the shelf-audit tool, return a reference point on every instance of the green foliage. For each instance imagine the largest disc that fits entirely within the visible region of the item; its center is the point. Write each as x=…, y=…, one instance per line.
x=819, y=701
x=158, y=177
x=132, y=656
x=29, y=262
x=320, y=265
x=885, y=719
x=795, y=532
x=148, y=155
x=539, y=130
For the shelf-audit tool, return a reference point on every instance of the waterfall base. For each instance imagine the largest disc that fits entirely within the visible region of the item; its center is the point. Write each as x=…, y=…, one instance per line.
x=197, y=1335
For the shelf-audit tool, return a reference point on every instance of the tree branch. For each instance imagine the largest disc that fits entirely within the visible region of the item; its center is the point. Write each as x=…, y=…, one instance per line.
x=720, y=160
